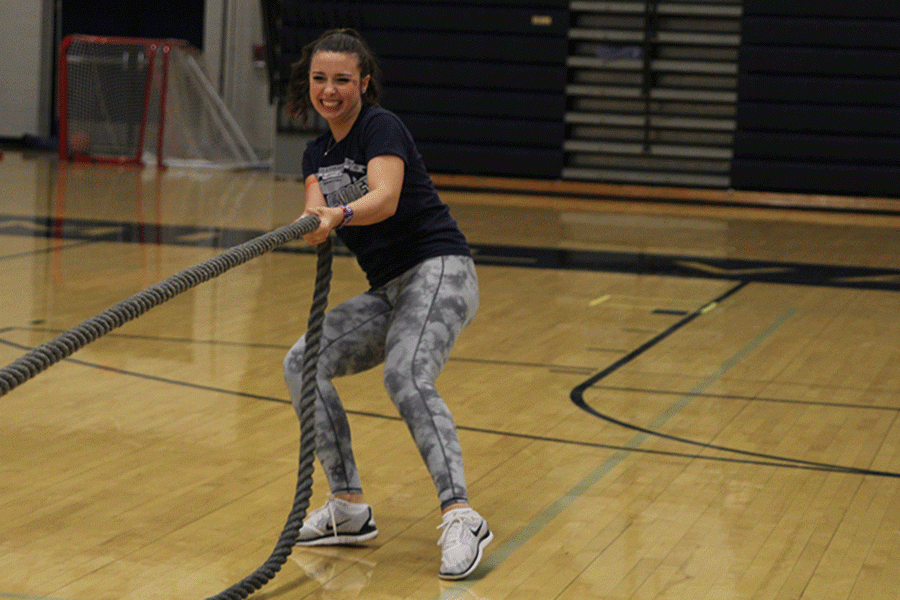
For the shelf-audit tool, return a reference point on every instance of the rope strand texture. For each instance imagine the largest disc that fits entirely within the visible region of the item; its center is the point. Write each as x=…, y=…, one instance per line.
x=64, y=345
x=67, y=343
x=291, y=531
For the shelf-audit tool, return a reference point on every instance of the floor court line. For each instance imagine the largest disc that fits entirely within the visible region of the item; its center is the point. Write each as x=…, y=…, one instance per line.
x=501, y=554
x=27, y=597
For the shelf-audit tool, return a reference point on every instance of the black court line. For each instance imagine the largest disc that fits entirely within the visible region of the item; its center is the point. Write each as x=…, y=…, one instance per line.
x=71, y=246
x=760, y=399
x=767, y=458
x=577, y=397
x=578, y=391
x=744, y=271
x=666, y=311
x=520, y=189
x=760, y=459
x=702, y=267
x=671, y=265
x=573, y=369
x=497, y=432
x=563, y=369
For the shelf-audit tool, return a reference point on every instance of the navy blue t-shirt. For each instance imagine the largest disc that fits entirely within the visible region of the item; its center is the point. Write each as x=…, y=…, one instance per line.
x=421, y=228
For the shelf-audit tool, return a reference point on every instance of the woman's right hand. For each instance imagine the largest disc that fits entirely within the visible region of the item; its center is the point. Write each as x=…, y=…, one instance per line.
x=329, y=218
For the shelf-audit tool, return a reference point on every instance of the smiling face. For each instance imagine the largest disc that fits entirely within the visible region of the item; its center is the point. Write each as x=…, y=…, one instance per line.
x=335, y=89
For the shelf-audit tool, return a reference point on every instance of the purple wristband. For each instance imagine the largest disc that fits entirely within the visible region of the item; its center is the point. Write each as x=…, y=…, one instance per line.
x=348, y=214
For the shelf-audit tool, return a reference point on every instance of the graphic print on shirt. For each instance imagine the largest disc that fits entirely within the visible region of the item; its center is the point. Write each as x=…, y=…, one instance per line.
x=343, y=183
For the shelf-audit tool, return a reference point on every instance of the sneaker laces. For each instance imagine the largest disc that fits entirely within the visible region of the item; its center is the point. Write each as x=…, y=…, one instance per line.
x=329, y=506
x=453, y=529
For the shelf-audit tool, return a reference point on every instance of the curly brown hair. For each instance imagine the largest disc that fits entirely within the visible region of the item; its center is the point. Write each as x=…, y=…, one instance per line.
x=346, y=41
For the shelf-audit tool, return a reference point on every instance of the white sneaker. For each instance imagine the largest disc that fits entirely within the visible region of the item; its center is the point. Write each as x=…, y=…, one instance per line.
x=338, y=523
x=465, y=535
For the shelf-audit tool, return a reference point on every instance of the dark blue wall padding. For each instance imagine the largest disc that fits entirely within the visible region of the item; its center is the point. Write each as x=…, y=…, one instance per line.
x=455, y=74
x=487, y=131
x=130, y=19
x=524, y=106
x=772, y=175
x=819, y=98
x=851, y=63
x=489, y=18
x=821, y=148
x=825, y=9
x=863, y=121
x=494, y=161
x=808, y=31
x=818, y=91
x=480, y=84
x=486, y=47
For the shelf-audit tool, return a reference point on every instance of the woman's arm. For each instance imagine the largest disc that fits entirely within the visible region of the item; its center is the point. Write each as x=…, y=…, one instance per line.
x=314, y=195
x=314, y=204
x=385, y=175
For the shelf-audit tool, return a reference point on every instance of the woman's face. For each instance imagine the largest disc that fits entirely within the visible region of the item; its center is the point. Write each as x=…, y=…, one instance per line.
x=335, y=86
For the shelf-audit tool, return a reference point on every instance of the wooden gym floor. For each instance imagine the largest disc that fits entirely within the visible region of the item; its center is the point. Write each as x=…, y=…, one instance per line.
x=659, y=399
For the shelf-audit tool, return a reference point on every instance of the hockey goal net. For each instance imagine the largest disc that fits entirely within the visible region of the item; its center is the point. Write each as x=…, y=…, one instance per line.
x=139, y=101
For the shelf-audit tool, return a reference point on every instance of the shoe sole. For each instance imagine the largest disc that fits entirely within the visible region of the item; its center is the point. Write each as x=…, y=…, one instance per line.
x=338, y=540
x=455, y=576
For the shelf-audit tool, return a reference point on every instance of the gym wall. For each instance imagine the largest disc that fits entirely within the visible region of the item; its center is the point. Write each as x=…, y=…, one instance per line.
x=819, y=98
x=480, y=85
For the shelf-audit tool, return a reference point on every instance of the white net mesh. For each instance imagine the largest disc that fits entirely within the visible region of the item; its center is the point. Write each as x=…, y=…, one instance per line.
x=119, y=98
x=105, y=94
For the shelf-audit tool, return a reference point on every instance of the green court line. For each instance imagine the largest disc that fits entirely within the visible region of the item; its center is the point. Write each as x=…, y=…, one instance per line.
x=501, y=554
x=498, y=556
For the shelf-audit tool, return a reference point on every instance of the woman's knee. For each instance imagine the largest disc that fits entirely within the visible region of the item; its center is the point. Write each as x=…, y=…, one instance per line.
x=293, y=360
x=402, y=384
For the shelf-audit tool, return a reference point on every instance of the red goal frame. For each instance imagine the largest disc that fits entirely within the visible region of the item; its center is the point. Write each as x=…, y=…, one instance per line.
x=153, y=49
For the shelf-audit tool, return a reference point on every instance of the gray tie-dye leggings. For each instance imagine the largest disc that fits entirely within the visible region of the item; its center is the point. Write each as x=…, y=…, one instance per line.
x=410, y=325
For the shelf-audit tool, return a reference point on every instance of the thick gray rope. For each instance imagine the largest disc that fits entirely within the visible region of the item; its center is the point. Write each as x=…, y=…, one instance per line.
x=64, y=345
x=67, y=343
x=291, y=530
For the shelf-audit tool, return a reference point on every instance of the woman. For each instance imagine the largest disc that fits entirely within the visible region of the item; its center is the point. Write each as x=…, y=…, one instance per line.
x=365, y=180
